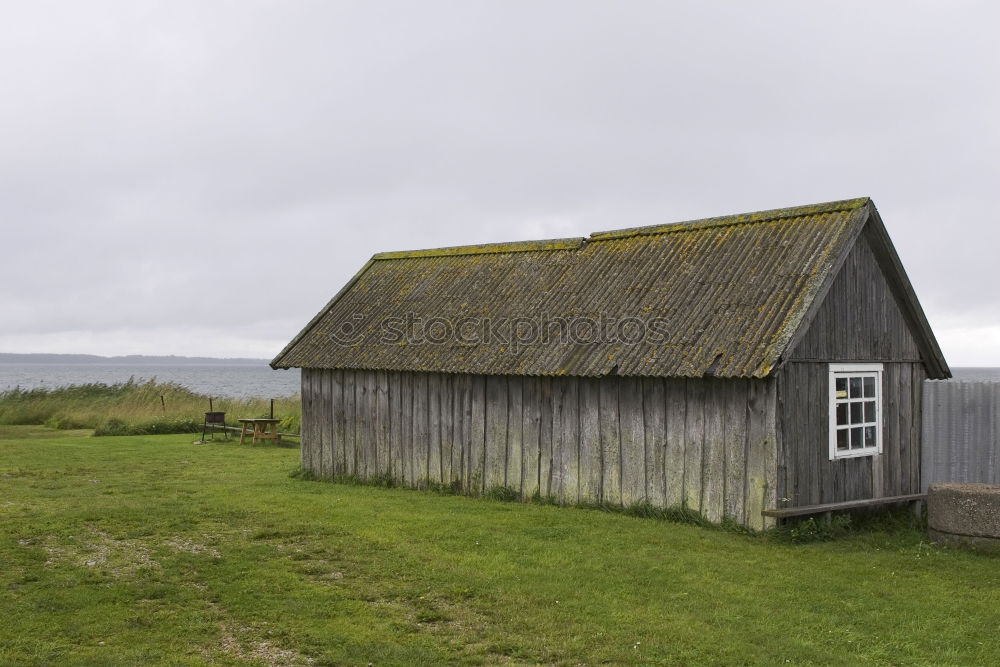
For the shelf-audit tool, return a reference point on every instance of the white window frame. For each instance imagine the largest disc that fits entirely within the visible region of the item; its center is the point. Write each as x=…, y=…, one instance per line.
x=848, y=370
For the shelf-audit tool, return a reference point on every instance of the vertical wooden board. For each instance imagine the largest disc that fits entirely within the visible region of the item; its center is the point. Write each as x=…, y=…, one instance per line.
x=770, y=447
x=819, y=411
x=713, y=477
x=477, y=434
x=356, y=417
x=590, y=440
x=350, y=423
x=421, y=429
x=530, y=421
x=785, y=448
x=308, y=415
x=826, y=467
x=861, y=477
x=694, y=439
x=805, y=455
x=655, y=431
x=320, y=435
x=546, y=402
x=633, y=440
x=496, y=431
x=795, y=432
x=339, y=419
x=382, y=424
x=515, y=415
x=406, y=427
x=806, y=478
x=395, y=439
x=916, y=430
x=434, y=427
x=611, y=443
x=735, y=420
x=556, y=474
x=795, y=417
x=796, y=420
x=316, y=453
x=841, y=481
x=569, y=441
x=362, y=420
x=371, y=457
x=675, y=391
x=878, y=476
x=756, y=492
x=892, y=427
x=904, y=404
x=458, y=452
x=447, y=424
x=366, y=413
x=329, y=444
x=889, y=431
x=463, y=417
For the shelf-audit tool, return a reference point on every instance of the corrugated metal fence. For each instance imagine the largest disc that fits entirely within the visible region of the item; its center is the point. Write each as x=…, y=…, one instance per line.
x=961, y=436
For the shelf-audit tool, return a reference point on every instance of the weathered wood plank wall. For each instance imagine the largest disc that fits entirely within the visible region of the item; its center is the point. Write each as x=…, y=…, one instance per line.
x=807, y=476
x=708, y=443
x=859, y=320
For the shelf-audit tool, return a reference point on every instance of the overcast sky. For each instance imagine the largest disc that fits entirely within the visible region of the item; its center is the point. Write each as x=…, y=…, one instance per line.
x=199, y=178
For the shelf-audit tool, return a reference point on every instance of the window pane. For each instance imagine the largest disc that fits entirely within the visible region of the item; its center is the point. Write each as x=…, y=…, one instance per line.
x=841, y=386
x=856, y=413
x=869, y=387
x=843, y=438
x=857, y=438
x=869, y=411
x=869, y=436
x=842, y=414
x=855, y=384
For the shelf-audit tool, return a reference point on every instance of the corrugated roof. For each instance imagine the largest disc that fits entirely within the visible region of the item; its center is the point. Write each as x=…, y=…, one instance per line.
x=721, y=296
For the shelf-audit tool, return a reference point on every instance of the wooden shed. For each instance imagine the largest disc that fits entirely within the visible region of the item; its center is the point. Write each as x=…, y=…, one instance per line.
x=734, y=365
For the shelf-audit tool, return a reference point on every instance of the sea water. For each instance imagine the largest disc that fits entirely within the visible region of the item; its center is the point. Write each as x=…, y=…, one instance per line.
x=223, y=380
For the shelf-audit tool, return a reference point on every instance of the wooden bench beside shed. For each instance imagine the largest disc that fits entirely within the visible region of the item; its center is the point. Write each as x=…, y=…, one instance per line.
x=747, y=366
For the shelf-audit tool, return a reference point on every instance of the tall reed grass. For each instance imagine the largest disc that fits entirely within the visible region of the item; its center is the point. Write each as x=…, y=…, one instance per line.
x=135, y=408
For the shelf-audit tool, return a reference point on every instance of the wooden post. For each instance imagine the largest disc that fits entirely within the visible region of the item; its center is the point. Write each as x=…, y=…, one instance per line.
x=163, y=403
x=272, y=408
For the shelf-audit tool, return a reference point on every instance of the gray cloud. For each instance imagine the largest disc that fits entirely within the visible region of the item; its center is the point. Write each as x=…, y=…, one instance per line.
x=199, y=178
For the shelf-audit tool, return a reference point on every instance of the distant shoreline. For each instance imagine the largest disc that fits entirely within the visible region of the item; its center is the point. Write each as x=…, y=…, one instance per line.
x=126, y=360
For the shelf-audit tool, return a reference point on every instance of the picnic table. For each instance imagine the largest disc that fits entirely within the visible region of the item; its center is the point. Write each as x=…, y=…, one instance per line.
x=260, y=429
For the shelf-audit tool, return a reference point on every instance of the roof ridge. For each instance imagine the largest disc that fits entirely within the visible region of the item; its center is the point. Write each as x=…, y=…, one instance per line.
x=486, y=248
x=575, y=243
x=769, y=215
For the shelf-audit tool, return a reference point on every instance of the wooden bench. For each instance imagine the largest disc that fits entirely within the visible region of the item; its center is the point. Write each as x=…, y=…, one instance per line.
x=828, y=508
x=259, y=429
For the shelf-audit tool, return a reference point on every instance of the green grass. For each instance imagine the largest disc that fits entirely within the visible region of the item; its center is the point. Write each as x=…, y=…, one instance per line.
x=149, y=549
x=135, y=408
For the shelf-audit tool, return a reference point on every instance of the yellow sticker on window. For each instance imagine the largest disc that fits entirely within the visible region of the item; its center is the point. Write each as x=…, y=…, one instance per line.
x=842, y=394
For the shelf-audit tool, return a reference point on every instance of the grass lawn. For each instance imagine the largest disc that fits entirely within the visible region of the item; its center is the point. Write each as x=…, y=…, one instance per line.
x=149, y=549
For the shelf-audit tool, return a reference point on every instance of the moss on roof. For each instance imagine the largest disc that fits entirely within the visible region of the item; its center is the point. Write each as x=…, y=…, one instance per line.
x=728, y=294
